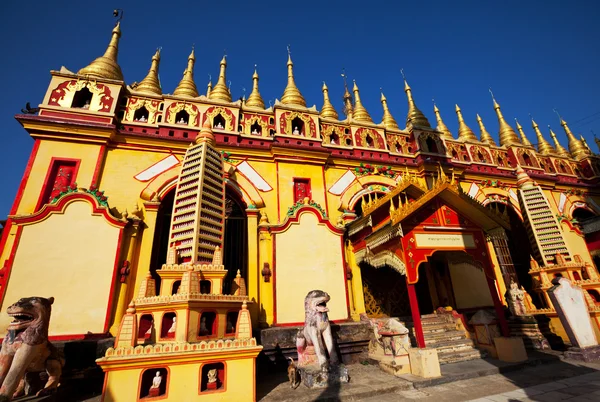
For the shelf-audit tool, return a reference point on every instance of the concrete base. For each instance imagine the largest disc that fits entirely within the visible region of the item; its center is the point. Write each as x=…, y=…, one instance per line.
x=313, y=377
x=395, y=365
x=510, y=349
x=424, y=362
x=589, y=354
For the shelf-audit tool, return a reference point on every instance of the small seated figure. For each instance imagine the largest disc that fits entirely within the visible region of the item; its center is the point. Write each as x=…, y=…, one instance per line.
x=229, y=327
x=296, y=131
x=155, y=388
x=171, y=332
x=203, y=328
x=332, y=141
x=181, y=121
x=255, y=131
x=86, y=105
x=212, y=379
x=142, y=119
x=219, y=125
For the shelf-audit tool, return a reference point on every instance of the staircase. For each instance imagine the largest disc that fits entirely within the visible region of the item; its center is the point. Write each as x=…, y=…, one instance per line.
x=451, y=344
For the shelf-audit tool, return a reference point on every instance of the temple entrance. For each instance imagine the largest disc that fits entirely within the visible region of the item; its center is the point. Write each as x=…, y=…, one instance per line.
x=385, y=292
x=161, y=235
x=235, y=245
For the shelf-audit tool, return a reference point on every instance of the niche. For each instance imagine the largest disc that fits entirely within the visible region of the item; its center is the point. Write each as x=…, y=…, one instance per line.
x=175, y=287
x=297, y=126
x=334, y=139
x=369, y=141
x=595, y=295
x=154, y=382
x=255, y=129
x=219, y=122
x=500, y=162
x=212, y=377
x=208, y=324
x=205, y=287
x=82, y=99
x=454, y=154
x=141, y=115
x=480, y=157
x=348, y=142
x=167, y=329
x=431, y=145
x=527, y=159
x=576, y=276
x=182, y=117
x=231, y=322
x=398, y=147
x=145, y=327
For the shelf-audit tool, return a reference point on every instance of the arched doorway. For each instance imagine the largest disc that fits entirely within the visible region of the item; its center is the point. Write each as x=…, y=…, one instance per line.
x=384, y=291
x=161, y=235
x=235, y=245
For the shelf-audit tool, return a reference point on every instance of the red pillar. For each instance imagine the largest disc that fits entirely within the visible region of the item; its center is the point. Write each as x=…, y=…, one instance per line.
x=498, y=305
x=416, y=315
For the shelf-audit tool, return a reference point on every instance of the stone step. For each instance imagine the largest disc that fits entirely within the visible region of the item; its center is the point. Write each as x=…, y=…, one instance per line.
x=433, y=315
x=439, y=327
x=444, y=336
x=444, y=346
x=454, y=357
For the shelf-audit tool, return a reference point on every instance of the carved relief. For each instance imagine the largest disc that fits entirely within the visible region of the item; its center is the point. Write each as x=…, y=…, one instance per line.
x=63, y=94
x=335, y=135
x=500, y=158
x=286, y=125
x=526, y=158
x=430, y=142
x=177, y=107
x=251, y=120
x=225, y=113
x=546, y=164
x=480, y=154
x=368, y=138
x=457, y=151
x=400, y=144
x=137, y=103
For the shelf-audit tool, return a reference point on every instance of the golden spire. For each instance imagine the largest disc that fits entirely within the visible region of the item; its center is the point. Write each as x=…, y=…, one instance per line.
x=187, y=86
x=388, y=120
x=585, y=144
x=544, y=146
x=441, y=127
x=464, y=132
x=348, y=107
x=576, y=147
x=485, y=136
x=414, y=116
x=327, y=111
x=291, y=94
x=106, y=66
x=255, y=100
x=360, y=113
x=560, y=150
x=524, y=139
x=209, y=87
x=220, y=91
x=206, y=134
x=151, y=84
x=506, y=134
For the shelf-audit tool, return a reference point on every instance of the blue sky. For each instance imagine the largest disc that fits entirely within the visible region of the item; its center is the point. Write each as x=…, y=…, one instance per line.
x=535, y=55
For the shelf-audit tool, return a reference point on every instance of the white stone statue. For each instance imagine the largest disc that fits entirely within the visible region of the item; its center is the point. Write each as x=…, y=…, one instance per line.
x=332, y=140
x=142, y=119
x=255, y=131
x=86, y=105
x=219, y=125
x=181, y=121
x=296, y=131
x=173, y=326
x=212, y=376
x=156, y=380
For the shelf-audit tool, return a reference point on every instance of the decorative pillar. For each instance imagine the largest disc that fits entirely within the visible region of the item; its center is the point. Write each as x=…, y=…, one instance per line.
x=355, y=285
x=253, y=267
x=265, y=248
x=146, y=242
x=416, y=314
x=499, y=241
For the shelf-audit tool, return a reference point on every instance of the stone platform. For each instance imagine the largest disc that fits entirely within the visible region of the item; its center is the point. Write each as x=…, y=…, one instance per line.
x=313, y=377
x=589, y=354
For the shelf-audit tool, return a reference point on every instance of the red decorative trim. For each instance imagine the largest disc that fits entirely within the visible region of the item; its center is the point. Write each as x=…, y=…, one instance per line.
x=7, y=267
x=278, y=193
x=25, y=179
x=4, y=237
x=274, y=274
x=296, y=219
x=47, y=183
x=112, y=294
x=325, y=190
x=99, y=163
x=416, y=314
x=344, y=277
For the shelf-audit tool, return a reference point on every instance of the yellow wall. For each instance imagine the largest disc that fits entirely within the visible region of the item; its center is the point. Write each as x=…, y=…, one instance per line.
x=287, y=173
x=470, y=286
x=183, y=383
x=71, y=257
x=308, y=257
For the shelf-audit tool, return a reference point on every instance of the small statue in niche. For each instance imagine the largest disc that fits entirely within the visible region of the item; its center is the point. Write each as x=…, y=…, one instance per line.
x=142, y=119
x=203, y=328
x=181, y=121
x=255, y=131
x=229, y=328
x=86, y=105
x=212, y=379
x=219, y=125
x=296, y=131
x=171, y=331
x=155, y=387
x=332, y=140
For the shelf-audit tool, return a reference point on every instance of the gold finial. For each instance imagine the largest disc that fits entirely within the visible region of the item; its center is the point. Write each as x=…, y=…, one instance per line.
x=576, y=147
x=348, y=106
x=151, y=83
x=441, y=127
x=209, y=86
x=560, y=150
x=414, y=116
x=484, y=135
x=106, y=66
x=327, y=111
x=544, y=146
x=360, y=113
x=388, y=120
x=506, y=134
x=255, y=100
x=220, y=91
x=584, y=142
x=464, y=132
x=206, y=134
x=291, y=94
x=524, y=139
x=187, y=86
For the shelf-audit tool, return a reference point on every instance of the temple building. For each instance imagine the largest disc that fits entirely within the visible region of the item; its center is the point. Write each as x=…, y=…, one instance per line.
x=391, y=217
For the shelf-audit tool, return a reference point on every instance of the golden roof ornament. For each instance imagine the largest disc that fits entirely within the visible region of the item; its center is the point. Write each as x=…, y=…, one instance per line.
x=255, y=100
x=106, y=66
x=464, y=132
x=441, y=127
x=485, y=136
x=506, y=133
x=544, y=146
x=560, y=150
x=414, y=116
x=576, y=147
x=291, y=94
x=524, y=139
x=327, y=111
x=151, y=83
x=360, y=113
x=187, y=86
x=348, y=106
x=388, y=120
x=220, y=91
x=585, y=144
x=209, y=86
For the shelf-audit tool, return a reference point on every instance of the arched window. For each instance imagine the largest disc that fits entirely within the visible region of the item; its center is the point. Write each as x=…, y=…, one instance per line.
x=581, y=214
x=480, y=157
x=182, y=117
x=500, y=161
x=168, y=325
x=219, y=122
x=175, y=287
x=398, y=147
x=255, y=129
x=82, y=99
x=297, y=126
x=208, y=324
x=205, y=287
x=576, y=276
x=454, y=154
x=212, y=377
x=334, y=139
x=431, y=145
x=145, y=326
x=369, y=141
x=527, y=159
x=231, y=322
x=154, y=383
x=348, y=142
x=141, y=115
x=595, y=295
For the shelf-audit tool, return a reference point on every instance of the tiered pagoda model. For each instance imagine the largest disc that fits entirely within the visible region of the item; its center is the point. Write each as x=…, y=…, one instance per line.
x=198, y=340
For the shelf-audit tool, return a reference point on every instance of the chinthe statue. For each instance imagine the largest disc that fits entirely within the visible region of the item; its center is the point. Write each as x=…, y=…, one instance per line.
x=26, y=349
x=318, y=361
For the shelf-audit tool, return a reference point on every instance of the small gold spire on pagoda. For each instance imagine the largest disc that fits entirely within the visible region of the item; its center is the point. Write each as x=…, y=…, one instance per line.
x=106, y=66
x=327, y=111
x=348, y=106
x=441, y=127
x=485, y=136
x=524, y=139
x=187, y=86
x=464, y=132
x=151, y=83
x=220, y=91
x=209, y=88
x=255, y=100
x=544, y=146
x=414, y=116
x=585, y=144
x=560, y=150
x=360, y=113
x=506, y=134
x=291, y=94
x=576, y=147
x=206, y=134
x=388, y=120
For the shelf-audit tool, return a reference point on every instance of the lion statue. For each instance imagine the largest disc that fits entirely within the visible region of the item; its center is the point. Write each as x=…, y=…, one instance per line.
x=26, y=349
x=316, y=331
